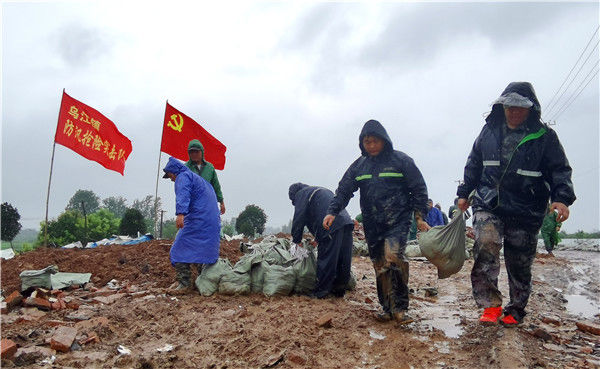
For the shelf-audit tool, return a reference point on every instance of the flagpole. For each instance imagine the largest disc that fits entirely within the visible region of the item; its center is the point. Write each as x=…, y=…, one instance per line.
x=51, y=166
x=158, y=174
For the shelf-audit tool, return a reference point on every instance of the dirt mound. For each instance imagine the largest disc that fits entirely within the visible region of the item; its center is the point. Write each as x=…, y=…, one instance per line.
x=147, y=261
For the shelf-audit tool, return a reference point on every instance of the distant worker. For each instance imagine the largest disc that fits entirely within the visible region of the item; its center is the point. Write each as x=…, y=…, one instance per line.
x=204, y=169
x=434, y=215
x=439, y=207
x=198, y=219
x=515, y=166
x=549, y=231
x=335, y=245
x=391, y=190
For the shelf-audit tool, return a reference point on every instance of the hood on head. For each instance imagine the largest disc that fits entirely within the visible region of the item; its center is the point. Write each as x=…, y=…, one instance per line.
x=519, y=94
x=174, y=166
x=196, y=145
x=294, y=189
x=374, y=128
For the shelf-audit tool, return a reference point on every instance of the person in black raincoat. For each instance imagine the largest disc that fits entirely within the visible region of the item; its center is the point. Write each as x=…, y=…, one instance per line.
x=392, y=189
x=516, y=165
x=335, y=245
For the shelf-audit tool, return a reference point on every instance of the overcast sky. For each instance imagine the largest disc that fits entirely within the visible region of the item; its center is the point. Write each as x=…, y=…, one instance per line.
x=286, y=87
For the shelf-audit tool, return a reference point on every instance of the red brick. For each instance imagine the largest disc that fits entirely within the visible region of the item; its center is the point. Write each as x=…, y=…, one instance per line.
x=54, y=323
x=296, y=357
x=8, y=347
x=589, y=328
x=92, y=337
x=63, y=338
x=38, y=302
x=94, y=323
x=13, y=299
x=74, y=305
x=325, y=320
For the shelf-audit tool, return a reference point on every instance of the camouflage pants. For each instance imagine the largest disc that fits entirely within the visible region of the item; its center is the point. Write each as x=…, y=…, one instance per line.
x=491, y=233
x=184, y=272
x=391, y=272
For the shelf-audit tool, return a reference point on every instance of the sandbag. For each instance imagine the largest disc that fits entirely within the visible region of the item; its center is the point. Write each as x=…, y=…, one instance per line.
x=306, y=273
x=444, y=246
x=278, y=255
x=208, y=281
x=278, y=280
x=257, y=276
x=38, y=278
x=234, y=283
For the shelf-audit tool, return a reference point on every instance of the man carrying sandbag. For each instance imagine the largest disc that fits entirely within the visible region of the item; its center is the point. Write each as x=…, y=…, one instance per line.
x=197, y=241
x=335, y=245
x=516, y=165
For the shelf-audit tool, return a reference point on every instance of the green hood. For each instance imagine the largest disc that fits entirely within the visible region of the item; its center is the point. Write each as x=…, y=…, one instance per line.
x=196, y=145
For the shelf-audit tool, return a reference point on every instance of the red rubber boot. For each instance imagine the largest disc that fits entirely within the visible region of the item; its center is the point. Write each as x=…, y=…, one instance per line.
x=491, y=315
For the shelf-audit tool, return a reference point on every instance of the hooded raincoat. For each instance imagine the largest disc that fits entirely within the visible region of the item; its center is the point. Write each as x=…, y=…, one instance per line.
x=391, y=188
x=208, y=171
x=310, y=207
x=518, y=188
x=198, y=241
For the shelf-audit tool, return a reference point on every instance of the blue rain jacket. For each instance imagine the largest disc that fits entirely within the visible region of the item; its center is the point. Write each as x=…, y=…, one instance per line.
x=198, y=241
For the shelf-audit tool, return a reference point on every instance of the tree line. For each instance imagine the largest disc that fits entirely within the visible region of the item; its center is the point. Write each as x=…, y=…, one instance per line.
x=88, y=218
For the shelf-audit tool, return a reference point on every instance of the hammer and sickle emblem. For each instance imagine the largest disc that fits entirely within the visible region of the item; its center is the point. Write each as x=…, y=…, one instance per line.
x=177, y=126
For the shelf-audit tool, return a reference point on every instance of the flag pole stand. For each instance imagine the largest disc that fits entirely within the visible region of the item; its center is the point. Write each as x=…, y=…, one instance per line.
x=157, y=177
x=48, y=196
x=52, y=166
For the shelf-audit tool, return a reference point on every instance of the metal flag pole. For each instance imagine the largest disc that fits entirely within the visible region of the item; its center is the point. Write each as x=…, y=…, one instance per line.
x=158, y=174
x=50, y=177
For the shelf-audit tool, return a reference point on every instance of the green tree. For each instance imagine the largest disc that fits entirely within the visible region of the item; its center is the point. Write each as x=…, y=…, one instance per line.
x=63, y=230
x=101, y=224
x=251, y=221
x=228, y=227
x=359, y=218
x=146, y=207
x=89, y=198
x=132, y=223
x=10, y=223
x=169, y=229
x=116, y=205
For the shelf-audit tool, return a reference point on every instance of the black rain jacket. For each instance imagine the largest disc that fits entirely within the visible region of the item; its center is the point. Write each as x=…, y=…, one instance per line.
x=310, y=207
x=518, y=190
x=391, y=188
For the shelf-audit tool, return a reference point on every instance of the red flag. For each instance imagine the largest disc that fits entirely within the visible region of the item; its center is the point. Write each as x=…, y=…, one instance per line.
x=179, y=130
x=86, y=131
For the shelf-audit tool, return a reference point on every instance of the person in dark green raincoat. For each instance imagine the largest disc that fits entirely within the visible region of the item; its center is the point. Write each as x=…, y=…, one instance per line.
x=197, y=164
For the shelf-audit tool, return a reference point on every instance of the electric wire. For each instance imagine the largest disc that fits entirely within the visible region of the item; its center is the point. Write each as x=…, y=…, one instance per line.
x=562, y=110
x=573, y=79
x=571, y=71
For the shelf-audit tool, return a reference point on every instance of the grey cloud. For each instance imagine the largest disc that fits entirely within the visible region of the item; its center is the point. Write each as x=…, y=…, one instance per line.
x=417, y=32
x=79, y=45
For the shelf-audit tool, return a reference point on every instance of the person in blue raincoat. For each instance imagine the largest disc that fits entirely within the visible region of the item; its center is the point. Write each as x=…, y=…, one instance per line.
x=197, y=241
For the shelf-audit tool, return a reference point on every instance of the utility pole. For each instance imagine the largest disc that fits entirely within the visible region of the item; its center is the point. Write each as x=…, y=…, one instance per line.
x=161, y=223
x=85, y=224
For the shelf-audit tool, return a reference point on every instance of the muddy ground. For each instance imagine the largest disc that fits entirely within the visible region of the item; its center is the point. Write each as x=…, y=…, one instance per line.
x=281, y=332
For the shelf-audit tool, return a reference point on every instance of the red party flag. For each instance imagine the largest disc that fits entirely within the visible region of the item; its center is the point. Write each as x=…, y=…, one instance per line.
x=179, y=130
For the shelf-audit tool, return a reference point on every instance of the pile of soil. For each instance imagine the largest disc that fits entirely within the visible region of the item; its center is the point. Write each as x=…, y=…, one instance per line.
x=143, y=262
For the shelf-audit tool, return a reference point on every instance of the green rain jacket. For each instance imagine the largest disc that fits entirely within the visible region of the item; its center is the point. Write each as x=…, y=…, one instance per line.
x=208, y=170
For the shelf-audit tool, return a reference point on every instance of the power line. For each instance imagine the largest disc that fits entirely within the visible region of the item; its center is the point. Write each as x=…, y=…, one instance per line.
x=569, y=104
x=570, y=99
x=573, y=79
x=571, y=71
